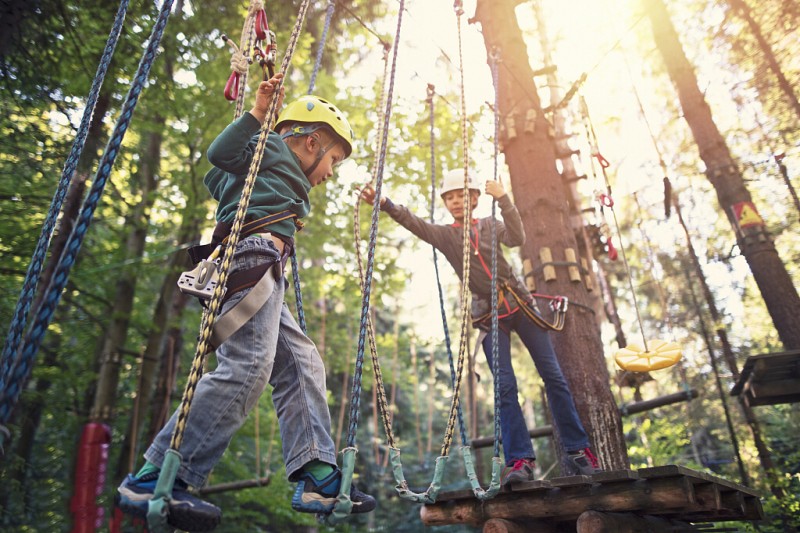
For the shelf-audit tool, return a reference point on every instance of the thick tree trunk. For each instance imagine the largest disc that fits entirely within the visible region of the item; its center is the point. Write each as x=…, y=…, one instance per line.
x=769, y=272
x=543, y=203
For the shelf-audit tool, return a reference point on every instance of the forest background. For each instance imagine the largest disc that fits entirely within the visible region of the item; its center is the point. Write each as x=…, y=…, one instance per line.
x=121, y=305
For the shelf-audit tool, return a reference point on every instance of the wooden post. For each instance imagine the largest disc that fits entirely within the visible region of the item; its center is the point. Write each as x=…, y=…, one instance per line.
x=573, y=270
x=548, y=270
x=527, y=269
x=588, y=278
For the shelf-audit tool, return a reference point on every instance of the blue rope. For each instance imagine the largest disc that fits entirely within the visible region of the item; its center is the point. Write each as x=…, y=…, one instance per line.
x=29, y=286
x=45, y=312
x=495, y=350
x=373, y=234
x=298, y=295
x=447, y=343
x=322, y=39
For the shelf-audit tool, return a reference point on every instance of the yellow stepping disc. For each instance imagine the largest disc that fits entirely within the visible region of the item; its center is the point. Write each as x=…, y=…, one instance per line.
x=660, y=355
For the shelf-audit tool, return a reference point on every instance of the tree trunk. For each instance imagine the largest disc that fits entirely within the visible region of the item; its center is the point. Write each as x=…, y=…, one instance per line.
x=154, y=349
x=769, y=272
x=543, y=203
x=744, y=11
x=764, y=454
x=115, y=337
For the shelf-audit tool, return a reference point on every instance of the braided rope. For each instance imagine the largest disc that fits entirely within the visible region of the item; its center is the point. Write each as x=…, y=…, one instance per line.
x=356, y=394
x=318, y=62
x=30, y=284
x=203, y=345
x=448, y=346
x=45, y=313
x=465, y=293
x=298, y=294
x=380, y=388
x=242, y=57
x=495, y=347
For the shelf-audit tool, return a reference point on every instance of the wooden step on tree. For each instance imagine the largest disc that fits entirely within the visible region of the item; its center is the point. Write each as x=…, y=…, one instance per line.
x=666, y=498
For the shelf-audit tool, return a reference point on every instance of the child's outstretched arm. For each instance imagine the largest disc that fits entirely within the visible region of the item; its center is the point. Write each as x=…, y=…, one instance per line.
x=430, y=233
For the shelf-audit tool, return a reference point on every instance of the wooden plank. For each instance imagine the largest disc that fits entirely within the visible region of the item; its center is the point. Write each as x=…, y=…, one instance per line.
x=570, y=480
x=568, y=502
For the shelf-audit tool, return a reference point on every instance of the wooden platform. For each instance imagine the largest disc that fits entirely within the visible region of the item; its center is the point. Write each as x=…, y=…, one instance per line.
x=674, y=493
x=768, y=379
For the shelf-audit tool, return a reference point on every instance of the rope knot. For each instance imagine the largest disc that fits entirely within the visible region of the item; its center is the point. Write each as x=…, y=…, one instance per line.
x=239, y=63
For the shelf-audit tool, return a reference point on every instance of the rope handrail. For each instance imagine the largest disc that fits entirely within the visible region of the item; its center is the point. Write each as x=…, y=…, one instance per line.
x=10, y=355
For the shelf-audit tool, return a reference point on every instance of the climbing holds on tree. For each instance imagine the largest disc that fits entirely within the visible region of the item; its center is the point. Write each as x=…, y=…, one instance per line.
x=660, y=354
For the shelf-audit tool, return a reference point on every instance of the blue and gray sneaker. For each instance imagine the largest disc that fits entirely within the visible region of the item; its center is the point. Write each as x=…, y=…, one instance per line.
x=186, y=512
x=312, y=496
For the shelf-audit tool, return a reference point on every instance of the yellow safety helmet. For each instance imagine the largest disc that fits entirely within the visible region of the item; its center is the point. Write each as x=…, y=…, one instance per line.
x=314, y=110
x=454, y=180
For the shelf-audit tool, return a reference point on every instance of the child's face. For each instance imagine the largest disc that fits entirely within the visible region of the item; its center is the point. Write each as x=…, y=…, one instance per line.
x=333, y=154
x=454, y=202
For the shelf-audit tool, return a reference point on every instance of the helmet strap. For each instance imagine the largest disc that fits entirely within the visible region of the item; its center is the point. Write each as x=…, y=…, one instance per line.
x=320, y=154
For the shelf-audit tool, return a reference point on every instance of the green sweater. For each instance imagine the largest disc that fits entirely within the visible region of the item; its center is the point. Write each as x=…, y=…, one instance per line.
x=280, y=183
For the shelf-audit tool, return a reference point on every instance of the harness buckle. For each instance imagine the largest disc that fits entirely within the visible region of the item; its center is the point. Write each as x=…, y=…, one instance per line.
x=203, y=278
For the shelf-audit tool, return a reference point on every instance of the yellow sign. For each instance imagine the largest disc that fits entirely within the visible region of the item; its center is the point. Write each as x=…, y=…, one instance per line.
x=747, y=215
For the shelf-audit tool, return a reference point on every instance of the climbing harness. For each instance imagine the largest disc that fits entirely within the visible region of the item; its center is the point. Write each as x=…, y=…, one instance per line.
x=10, y=357
x=159, y=504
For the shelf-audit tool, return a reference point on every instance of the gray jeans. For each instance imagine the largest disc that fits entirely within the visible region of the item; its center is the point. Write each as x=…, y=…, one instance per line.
x=269, y=347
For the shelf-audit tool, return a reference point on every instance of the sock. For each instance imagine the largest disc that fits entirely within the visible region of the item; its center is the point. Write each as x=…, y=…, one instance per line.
x=318, y=469
x=148, y=468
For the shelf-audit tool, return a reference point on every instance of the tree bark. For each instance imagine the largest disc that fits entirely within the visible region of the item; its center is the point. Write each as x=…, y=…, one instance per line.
x=769, y=272
x=543, y=204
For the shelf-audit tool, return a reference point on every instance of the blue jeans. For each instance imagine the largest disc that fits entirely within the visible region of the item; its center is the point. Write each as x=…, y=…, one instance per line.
x=516, y=440
x=270, y=347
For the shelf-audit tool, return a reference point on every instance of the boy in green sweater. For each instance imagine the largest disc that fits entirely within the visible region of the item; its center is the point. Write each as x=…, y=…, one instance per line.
x=311, y=137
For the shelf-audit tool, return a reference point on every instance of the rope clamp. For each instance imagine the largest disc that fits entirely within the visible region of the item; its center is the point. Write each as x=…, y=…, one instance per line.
x=203, y=278
x=559, y=304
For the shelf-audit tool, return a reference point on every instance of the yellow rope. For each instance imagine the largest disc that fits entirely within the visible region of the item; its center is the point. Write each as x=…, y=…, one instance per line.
x=465, y=292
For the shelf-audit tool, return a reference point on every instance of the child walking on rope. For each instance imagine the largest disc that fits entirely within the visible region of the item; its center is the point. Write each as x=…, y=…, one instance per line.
x=312, y=137
x=517, y=447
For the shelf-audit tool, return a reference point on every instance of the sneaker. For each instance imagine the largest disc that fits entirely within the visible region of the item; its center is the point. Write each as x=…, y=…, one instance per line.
x=312, y=496
x=186, y=512
x=521, y=470
x=583, y=463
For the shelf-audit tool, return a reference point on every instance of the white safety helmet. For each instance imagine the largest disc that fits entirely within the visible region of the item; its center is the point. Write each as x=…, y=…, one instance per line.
x=454, y=180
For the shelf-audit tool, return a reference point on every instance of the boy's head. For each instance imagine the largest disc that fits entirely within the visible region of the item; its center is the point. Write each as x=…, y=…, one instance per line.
x=452, y=192
x=319, y=135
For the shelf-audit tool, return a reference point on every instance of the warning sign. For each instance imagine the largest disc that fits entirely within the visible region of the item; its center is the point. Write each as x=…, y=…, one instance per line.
x=747, y=215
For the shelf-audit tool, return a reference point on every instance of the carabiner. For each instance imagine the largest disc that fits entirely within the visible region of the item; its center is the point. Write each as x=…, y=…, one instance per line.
x=262, y=26
x=232, y=87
